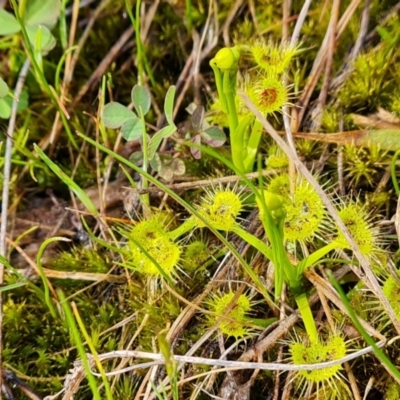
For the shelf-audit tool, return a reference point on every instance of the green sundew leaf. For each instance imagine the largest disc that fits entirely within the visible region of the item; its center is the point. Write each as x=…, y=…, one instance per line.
x=3, y=88
x=132, y=129
x=8, y=23
x=157, y=138
x=81, y=194
x=114, y=115
x=141, y=98
x=214, y=136
x=169, y=104
x=41, y=38
x=5, y=109
x=42, y=12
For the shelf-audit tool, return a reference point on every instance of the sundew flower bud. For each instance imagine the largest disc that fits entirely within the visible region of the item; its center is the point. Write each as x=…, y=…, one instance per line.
x=227, y=58
x=267, y=93
x=359, y=225
x=234, y=324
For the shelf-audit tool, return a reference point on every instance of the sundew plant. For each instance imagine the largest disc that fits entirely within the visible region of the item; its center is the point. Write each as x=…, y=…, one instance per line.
x=199, y=200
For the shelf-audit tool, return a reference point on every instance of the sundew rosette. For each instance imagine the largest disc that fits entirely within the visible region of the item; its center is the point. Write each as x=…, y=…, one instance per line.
x=325, y=382
x=272, y=58
x=220, y=208
x=150, y=249
x=234, y=320
x=305, y=213
x=359, y=224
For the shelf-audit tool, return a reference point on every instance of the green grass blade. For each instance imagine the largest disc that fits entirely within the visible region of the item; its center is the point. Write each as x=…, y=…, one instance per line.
x=81, y=194
x=79, y=344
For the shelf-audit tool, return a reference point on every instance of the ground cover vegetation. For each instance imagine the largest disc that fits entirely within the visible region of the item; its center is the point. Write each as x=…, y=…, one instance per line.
x=199, y=199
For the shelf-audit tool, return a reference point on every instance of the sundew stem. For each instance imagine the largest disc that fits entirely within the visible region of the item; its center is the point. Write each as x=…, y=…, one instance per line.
x=252, y=146
x=307, y=317
x=229, y=89
x=186, y=227
x=243, y=150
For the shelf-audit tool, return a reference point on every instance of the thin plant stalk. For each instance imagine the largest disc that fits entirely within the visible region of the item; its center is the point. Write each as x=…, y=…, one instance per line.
x=92, y=350
x=189, y=19
x=79, y=344
x=46, y=283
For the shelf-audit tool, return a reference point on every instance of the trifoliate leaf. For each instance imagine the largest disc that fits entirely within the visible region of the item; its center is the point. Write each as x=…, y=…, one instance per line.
x=132, y=129
x=136, y=158
x=5, y=109
x=114, y=115
x=42, y=12
x=3, y=88
x=8, y=23
x=196, y=153
x=155, y=141
x=41, y=38
x=213, y=136
x=169, y=104
x=141, y=98
x=197, y=118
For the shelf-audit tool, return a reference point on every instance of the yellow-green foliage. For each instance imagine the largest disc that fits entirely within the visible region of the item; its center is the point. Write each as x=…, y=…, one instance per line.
x=358, y=223
x=276, y=157
x=305, y=213
x=195, y=254
x=392, y=391
x=234, y=322
x=150, y=249
x=333, y=349
x=220, y=209
x=370, y=83
x=391, y=289
x=83, y=259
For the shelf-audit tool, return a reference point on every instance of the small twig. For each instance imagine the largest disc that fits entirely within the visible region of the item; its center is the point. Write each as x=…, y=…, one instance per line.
x=323, y=95
x=300, y=22
x=228, y=21
x=317, y=67
x=347, y=67
x=285, y=20
x=204, y=182
x=232, y=365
